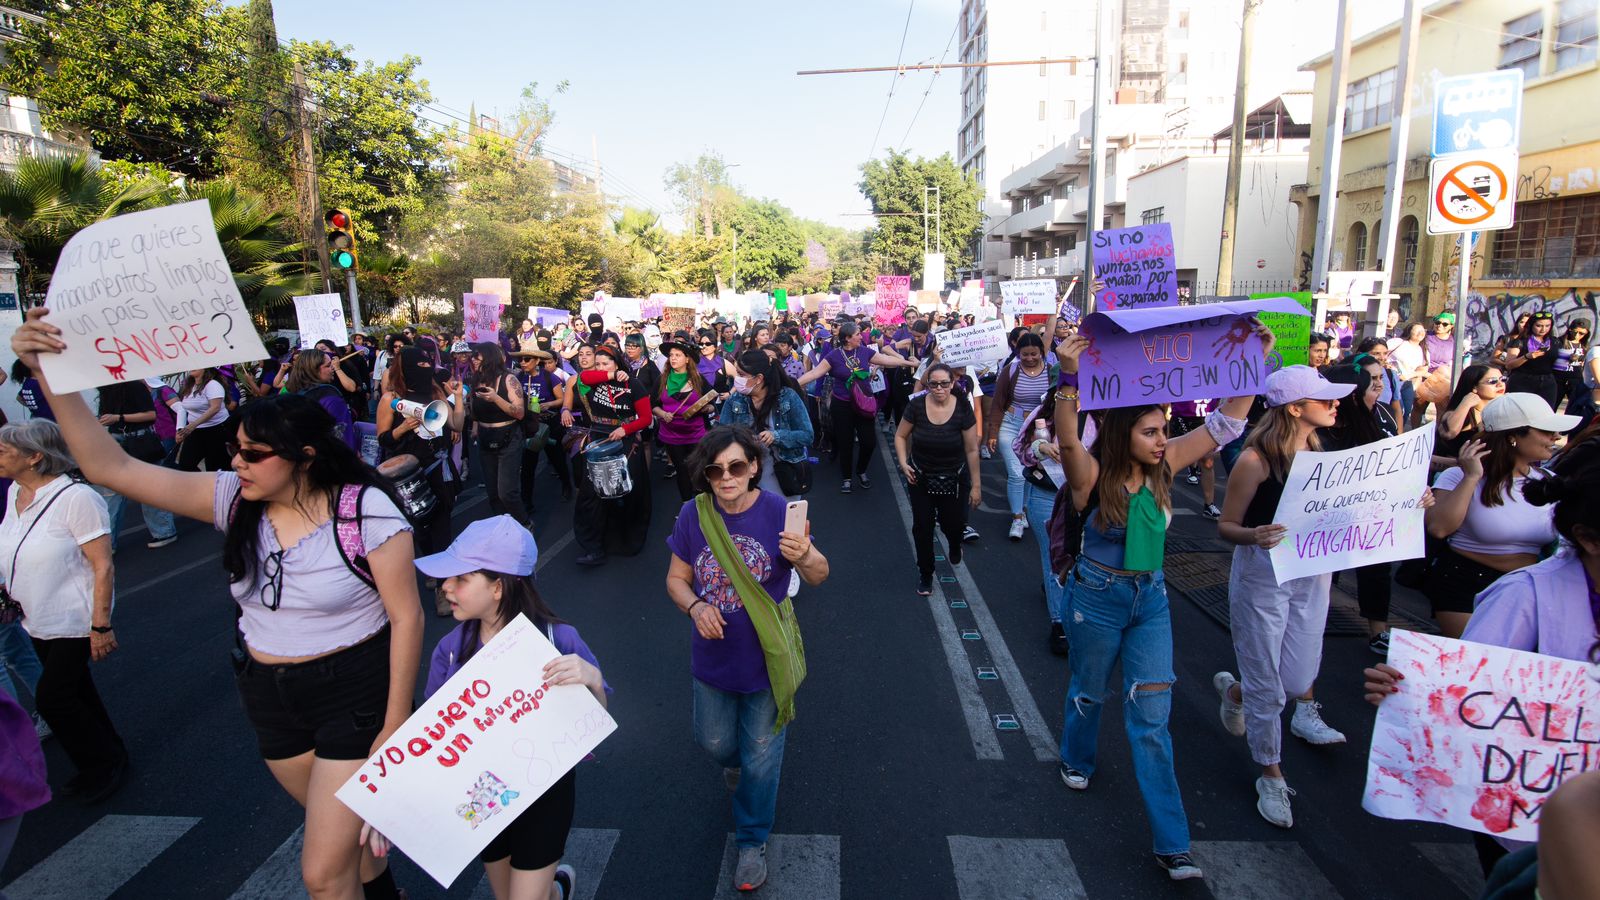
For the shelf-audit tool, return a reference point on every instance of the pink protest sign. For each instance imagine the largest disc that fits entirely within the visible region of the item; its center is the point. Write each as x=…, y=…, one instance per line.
x=1479, y=736
x=894, y=293
x=480, y=318
x=1166, y=354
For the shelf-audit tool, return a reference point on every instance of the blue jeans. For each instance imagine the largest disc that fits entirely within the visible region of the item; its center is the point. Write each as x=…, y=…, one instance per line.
x=736, y=729
x=1010, y=426
x=16, y=652
x=1125, y=617
x=159, y=522
x=1038, y=504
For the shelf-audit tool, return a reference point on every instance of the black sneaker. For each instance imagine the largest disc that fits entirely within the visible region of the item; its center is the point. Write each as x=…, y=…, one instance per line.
x=566, y=879
x=953, y=553
x=924, y=585
x=866, y=483
x=1379, y=644
x=591, y=559
x=970, y=535
x=845, y=488
x=1179, y=866
x=1058, y=639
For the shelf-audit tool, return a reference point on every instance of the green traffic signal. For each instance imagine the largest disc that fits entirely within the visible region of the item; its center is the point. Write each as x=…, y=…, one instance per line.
x=344, y=259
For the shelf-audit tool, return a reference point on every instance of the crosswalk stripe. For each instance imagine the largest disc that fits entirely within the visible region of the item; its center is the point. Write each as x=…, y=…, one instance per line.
x=799, y=867
x=1021, y=868
x=588, y=853
x=1458, y=862
x=1261, y=870
x=279, y=877
x=97, y=862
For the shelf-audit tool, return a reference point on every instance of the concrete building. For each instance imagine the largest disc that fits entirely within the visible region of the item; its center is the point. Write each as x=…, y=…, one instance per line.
x=1550, y=258
x=21, y=131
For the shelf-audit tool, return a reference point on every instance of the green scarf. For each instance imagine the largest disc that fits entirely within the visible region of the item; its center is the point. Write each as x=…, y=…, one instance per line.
x=774, y=622
x=676, y=381
x=1146, y=546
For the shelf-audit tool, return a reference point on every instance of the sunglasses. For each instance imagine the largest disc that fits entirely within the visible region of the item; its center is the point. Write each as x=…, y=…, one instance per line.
x=249, y=455
x=716, y=471
x=707, y=344
x=1330, y=404
x=1491, y=381
x=939, y=385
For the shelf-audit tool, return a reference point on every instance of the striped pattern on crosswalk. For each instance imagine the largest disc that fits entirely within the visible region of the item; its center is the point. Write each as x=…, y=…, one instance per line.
x=1261, y=870
x=101, y=859
x=1020, y=868
x=799, y=867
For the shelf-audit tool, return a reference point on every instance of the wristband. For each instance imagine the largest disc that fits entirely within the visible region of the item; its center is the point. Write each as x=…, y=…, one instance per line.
x=690, y=611
x=1067, y=379
x=97, y=629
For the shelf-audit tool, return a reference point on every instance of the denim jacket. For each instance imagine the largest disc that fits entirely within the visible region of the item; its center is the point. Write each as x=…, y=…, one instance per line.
x=791, y=425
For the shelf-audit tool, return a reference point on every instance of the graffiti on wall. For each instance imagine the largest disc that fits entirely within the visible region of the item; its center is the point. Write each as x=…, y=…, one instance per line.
x=1494, y=316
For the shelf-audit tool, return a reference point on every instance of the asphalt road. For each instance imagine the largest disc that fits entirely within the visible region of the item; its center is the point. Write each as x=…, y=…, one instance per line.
x=896, y=781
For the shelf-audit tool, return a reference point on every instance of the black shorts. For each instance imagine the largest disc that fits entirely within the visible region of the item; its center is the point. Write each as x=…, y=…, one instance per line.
x=1454, y=581
x=333, y=704
x=537, y=837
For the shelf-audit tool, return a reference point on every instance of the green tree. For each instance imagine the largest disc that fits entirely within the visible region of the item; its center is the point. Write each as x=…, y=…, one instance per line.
x=771, y=246
x=47, y=199
x=703, y=190
x=894, y=187
x=260, y=243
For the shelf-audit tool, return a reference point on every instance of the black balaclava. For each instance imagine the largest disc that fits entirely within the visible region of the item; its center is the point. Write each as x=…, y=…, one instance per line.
x=417, y=370
x=597, y=325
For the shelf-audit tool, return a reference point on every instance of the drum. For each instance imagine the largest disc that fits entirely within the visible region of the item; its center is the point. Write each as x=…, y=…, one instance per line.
x=411, y=483
x=607, y=463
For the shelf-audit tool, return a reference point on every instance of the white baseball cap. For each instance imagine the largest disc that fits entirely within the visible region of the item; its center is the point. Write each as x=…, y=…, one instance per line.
x=1293, y=383
x=1509, y=411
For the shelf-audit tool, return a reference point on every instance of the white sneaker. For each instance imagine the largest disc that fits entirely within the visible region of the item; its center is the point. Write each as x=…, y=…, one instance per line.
x=1272, y=801
x=1307, y=724
x=1017, y=525
x=983, y=451
x=1232, y=713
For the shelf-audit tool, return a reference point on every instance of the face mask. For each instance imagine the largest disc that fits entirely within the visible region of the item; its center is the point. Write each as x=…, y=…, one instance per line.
x=416, y=370
x=741, y=385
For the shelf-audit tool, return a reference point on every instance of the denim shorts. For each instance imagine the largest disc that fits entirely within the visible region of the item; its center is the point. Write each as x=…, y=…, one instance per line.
x=333, y=704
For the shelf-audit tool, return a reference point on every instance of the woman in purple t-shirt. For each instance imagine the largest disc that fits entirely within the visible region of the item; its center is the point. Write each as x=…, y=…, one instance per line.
x=735, y=712
x=849, y=362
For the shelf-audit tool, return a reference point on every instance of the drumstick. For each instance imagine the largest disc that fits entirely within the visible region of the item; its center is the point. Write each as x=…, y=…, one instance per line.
x=347, y=356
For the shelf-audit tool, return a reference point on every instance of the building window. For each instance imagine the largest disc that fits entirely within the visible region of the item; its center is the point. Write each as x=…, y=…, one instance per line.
x=1557, y=238
x=1519, y=44
x=1409, y=236
x=1358, y=247
x=1576, y=33
x=1069, y=110
x=1369, y=102
x=1042, y=105
x=1153, y=215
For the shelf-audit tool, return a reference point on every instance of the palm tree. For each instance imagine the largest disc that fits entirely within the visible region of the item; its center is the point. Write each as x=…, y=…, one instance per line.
x=268, y=265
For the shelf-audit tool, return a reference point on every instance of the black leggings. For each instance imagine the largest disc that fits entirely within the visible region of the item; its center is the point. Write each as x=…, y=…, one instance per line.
x=70, y=705
x=1374, y=590
x=951, y=512
x=205, y=445
x=679, y=454
x=850, y=429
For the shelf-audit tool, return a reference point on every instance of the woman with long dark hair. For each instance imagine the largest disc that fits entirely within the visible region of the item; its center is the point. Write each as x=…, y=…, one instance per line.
x=1531, y=361
x=614, y=410
x=851, y=364
x=497, y=410
x=768, y=402
x=1570, y=350
x=201, y=434
x=1020, y=386
x=681, y=388
x=1463, y=417
x=307, y=590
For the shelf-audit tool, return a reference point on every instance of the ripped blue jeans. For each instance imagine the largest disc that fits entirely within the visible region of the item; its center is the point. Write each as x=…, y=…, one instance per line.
x=736, y=729
x=1112, y=617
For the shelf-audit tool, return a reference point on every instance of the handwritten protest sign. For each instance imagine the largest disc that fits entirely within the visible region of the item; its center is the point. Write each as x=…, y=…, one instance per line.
x=1350, y=508
x=652, y=307
x=546, y=317
x=677, y=318
x=1165, y=354
x=145, y=294
x=587, y=308
x=893, y=294
x=973, y=345
x=780, y=299
x=1138, y=267
x=1033, y=296
x=625, y=309
x=477, y=754
x=1479, y=737
x=500, y=287
x=1069, y=310
x=1293, y=331
x=321, y=317
x=760, y=307
x=830, y=308
x=863, y=305
x=480, y=318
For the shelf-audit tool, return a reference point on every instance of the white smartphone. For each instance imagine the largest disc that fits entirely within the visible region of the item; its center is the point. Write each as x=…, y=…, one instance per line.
x=794, y=517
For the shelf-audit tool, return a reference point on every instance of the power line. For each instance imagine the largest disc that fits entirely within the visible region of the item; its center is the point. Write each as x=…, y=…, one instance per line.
x=931, y=82
x=898, y=56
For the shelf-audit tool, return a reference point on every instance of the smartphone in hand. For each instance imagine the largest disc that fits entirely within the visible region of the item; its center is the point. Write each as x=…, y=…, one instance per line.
x=794, y=517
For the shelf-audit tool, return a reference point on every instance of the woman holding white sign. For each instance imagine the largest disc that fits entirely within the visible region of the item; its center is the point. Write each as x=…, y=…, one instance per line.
x=1277, y=628
x=330, y=633
x=1117, y=596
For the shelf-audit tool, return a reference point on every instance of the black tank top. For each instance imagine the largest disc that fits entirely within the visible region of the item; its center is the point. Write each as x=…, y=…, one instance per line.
x=486, y=412
x=1264, y=505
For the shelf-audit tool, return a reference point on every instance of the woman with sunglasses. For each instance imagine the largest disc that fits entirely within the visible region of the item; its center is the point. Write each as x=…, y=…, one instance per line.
x=1531, y=361
x=737, y=718
x=1463, y=418
x=301, y=600
x=681, y=388
x=850, y=363
x=937, y=446
x=613, y=411
x=1487, y=526
x=1570, y=350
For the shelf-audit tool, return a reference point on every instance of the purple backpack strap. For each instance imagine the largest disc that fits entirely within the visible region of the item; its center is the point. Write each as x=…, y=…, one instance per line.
x=347, y=532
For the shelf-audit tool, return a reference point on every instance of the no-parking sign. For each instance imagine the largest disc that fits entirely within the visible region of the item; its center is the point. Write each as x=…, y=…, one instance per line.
x=1472, y=191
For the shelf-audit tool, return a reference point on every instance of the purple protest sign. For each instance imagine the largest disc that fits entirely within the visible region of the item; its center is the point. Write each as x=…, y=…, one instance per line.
x=653, y=307
x=1137, y=266
x=546, y=317
x=1167, y=354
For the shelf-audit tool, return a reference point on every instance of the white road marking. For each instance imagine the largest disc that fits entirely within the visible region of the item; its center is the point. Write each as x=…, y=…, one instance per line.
x=1019, y=868
x=799, y=867
x=279, y=877
x=102, y=859
x=1261, y=870
x=588, y=852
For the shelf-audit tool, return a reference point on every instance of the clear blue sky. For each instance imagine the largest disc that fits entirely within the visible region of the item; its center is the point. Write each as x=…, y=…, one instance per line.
x=654, y=83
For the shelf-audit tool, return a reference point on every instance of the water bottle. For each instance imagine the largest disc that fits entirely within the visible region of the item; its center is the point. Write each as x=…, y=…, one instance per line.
x=1041, y=430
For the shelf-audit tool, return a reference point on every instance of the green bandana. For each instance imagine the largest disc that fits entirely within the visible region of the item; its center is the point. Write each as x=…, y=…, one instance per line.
x=676, y=381
x=1146, y=545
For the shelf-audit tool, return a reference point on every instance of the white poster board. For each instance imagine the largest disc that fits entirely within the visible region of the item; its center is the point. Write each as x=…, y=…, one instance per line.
x=321, y=317
x=1479, y=737
x=973, y=345
x=624, y=309
x=760, y=307
x=480, y=318
x=146, y=294
x=491, y=741
x=1351, y=508
x=500, y=287
x=1033, y=296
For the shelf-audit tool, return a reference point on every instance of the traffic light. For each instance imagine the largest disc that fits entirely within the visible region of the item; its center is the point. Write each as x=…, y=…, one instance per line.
x=341, y=240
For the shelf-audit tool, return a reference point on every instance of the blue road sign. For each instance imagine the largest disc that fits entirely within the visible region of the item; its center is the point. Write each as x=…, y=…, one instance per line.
x=1477, y=112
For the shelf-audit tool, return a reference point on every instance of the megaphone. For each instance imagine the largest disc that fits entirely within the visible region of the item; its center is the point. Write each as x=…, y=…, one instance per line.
x=432, y=416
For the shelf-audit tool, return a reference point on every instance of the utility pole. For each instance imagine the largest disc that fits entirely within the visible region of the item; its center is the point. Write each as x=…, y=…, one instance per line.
x=735, y=260
x=1399, y=136
x=1333, y=146
x=306, y=182
x=1097, y=145
x=1230, y=192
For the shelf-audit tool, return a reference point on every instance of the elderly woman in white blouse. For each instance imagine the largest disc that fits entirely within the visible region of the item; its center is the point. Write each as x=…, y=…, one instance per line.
x=55, y=558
